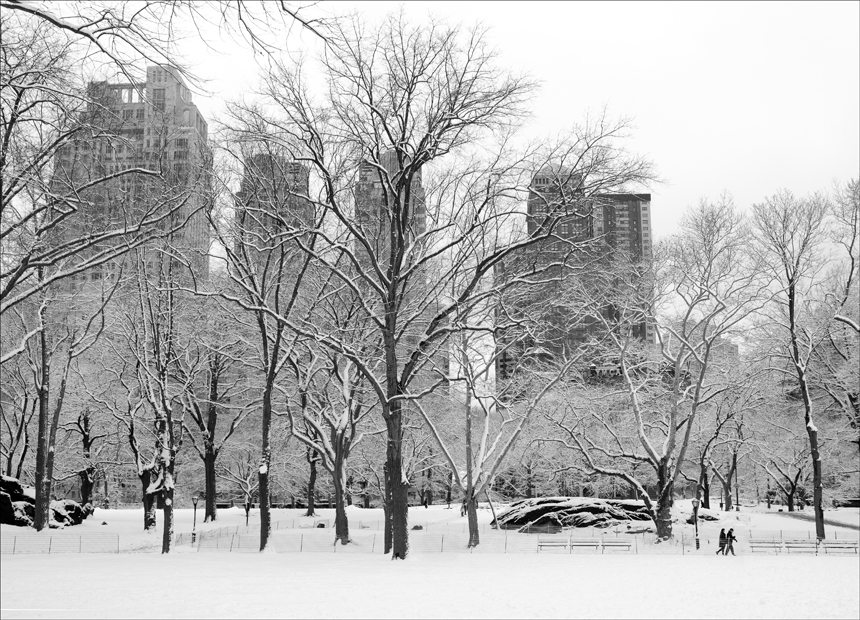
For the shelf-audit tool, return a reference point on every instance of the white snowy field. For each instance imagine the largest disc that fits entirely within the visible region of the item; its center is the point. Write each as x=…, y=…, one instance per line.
x=667, y=580
x=189, y=585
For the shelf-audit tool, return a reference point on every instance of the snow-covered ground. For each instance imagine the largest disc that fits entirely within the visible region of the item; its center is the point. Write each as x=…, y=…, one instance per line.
x=668, y=580
x=428, y=586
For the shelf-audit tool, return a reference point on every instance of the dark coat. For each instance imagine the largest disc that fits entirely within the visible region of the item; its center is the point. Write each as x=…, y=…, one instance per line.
x=722, y=538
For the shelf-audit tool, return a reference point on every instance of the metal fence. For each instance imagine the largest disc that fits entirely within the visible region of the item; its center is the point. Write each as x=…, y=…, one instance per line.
x=316, y=536
x=33, y=542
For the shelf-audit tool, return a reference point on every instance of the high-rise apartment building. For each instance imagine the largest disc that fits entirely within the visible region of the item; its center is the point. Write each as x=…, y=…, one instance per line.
x=619, y=225
x=143, y=149
x=272, y=202
x=374, y=206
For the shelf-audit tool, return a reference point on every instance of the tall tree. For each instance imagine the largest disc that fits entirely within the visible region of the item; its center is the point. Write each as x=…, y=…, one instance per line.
x=791, y=232
x=705, y=283
x=401, y=100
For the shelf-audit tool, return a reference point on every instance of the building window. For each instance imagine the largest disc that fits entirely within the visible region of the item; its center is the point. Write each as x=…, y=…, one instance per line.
x=140, y=114
x=158, y=98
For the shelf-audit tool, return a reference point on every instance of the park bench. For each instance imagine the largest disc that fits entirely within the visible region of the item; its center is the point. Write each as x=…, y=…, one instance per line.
x=615, y=544
x=553, y=542
x=802, y=546
x=584, y=543
x=839, y=546
x=765, y=545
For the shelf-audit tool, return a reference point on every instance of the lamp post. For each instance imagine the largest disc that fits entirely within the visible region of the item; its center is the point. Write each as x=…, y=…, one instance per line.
x=696, y=518
x=194, y=499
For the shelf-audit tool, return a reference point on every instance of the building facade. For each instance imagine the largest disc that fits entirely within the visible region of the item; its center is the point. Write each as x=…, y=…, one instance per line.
x=610, y=229
x=272, y=205
x=141, y=156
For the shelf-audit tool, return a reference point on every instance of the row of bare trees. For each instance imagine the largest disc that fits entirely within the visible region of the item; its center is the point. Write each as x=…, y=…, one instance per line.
x=372, y=265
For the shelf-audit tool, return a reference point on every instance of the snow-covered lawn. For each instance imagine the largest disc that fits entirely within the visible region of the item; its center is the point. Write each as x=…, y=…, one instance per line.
x=654, y=581
x=188, y=585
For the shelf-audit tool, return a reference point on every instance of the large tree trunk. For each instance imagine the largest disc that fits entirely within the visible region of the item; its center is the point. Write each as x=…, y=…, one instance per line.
x=386, y=508
x=43, y=482
x=341, y=523
x=727, y=494
x=817, y=484
x=211, y=493
x=167, y=514
x=148, y=499
x=312, y=483
x=87, y=478
x=789, y=500
x=472, y=517
x=399, y=489
x=265, y=461
x=663, y=512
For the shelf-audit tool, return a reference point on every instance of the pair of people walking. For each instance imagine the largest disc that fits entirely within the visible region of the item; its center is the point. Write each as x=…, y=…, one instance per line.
x=726, y=542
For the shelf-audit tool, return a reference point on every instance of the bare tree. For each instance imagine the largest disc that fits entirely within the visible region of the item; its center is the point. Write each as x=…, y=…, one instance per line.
x=400, y=100
x=791, y=232
x=157, y=331
x=846, y=233
x=705, y=284
x=223, y=393
x=240, y=469
x=266, y=272
x=330, y=410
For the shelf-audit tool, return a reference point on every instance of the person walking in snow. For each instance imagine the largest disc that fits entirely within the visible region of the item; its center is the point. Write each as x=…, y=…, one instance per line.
x=722, y=542
x=730, y=538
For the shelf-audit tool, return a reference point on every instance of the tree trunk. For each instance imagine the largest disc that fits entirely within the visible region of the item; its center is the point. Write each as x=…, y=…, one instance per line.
x=149, y=504
x=312, y=483
x=448, y=487
x=386, y=508
x=167, y=515
x=399, y=489
x=530, y=489
x=87, y=478
x=471, y=503
x=789, y=500
x=811, y=430
x=211, y=493
x=341, y=523
x=42, y=512
x=704, y=485
x=663, y=512
x=817, y=484
x=106, y=487
x=472, y=516
x=265, y=461
x=727, y=494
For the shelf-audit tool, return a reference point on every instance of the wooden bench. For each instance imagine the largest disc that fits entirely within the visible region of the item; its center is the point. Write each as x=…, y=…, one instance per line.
x=585, y=543
x=615, y=544
x=802, y=546
x=553, y=542
x=765, y=545
x=839, y=546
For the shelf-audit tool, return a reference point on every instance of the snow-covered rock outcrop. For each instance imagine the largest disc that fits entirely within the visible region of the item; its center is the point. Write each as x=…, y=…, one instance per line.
x=565, y=512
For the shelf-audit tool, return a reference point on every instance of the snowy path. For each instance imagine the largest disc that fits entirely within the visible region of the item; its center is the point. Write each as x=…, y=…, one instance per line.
x=187, y=585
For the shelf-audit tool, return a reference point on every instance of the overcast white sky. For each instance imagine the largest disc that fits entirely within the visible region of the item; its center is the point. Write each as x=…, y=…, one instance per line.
x=736, y=96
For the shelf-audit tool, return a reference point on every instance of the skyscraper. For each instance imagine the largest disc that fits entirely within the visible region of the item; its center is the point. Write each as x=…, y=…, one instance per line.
x=140, y=154
x=271, y=202
x=375, y=209
x=619, y=229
